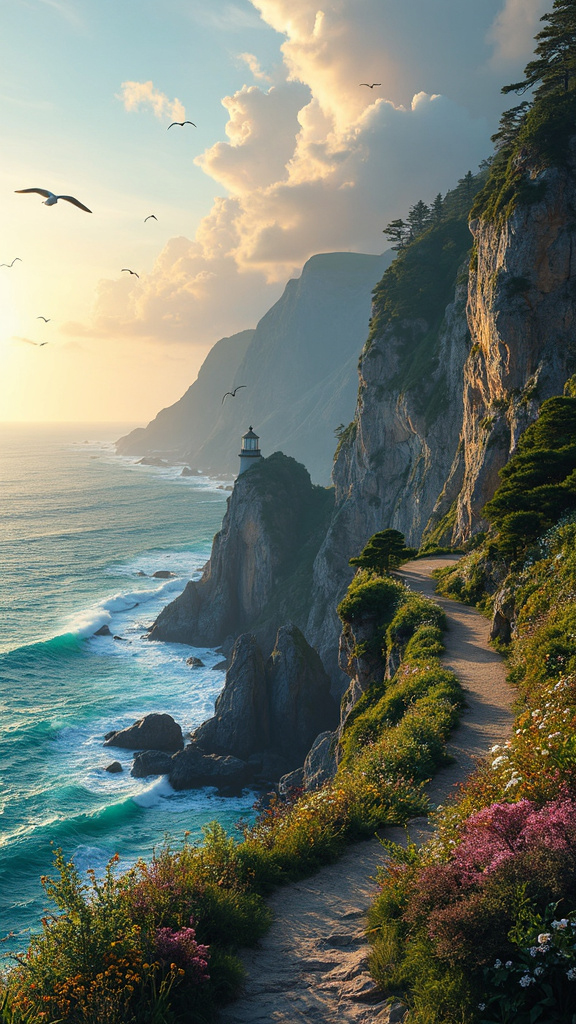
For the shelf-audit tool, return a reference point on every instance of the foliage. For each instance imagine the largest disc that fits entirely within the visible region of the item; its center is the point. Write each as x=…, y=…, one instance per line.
x=384, y=551
x=370, y=594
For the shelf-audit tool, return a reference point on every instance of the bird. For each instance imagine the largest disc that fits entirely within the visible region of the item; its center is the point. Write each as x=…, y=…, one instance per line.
x=11, y=264
x=46, y=320
x=181, y=123
x=28, y=341
x=233, y=393
x=126, y=270
x=151, y=216
x=51, y=199
x=370, y=86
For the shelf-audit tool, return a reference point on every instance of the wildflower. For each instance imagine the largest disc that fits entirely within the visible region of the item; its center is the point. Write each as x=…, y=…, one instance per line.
x=508, y=964
x=499, y=760
x=571, y=974
x=534, y=950
x=525, y=980
x=481, y=1006
x=544, y=938
x=560, y=925
x=497, y=964
x=538, y=971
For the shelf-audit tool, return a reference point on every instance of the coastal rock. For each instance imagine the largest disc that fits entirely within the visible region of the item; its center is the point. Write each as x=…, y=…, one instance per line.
x=151, y=460
x=151, y=762
x=163, y=574
x=192, y=768
x=195, y=662
x=270, y=711
x=103, y=631
x=186, y=471
x=259, y=572
x=291, y=783
x=320, y=763
x=114, y=768
x=241, y=723
x=153, y=732
x=220, y=667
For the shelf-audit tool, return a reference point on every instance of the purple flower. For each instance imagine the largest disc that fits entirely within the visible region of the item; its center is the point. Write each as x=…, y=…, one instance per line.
x=180, y=947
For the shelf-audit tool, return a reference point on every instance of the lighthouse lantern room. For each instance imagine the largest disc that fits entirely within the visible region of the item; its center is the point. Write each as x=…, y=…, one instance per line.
x=249, y=450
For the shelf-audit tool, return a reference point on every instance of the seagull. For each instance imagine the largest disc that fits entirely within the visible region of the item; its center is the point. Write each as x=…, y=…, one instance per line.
x=11, y=264
x=51, y=199
x=181, y=123
x=126, y=270
x=46, y=320
x=370, y=86
x=233, y=393
x=151, y=216
x=28, y=341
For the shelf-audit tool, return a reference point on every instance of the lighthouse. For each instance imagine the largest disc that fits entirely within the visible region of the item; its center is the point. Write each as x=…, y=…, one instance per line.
x=249, y=450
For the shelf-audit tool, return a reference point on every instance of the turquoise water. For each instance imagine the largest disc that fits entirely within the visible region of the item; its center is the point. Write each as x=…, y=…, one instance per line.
x=77, y=527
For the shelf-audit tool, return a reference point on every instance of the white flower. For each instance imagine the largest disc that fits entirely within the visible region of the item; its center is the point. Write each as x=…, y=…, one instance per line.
x=534, y=950
x=499, y=760
x=544, y=937
x=481, y=1006
x=525, y=981
x=508, y=964
x=571, y=974
x=495, y=748
x=514, y=781
x=538, y=971
x=497, y=963
x=560, y=925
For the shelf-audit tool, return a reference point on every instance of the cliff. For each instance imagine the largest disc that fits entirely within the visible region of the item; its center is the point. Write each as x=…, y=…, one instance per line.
x=259, y=574
x=299, y=368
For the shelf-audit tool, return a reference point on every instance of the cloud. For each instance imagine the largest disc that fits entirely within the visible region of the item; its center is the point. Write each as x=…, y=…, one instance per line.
x=254, y=64
x=143, y=94
x=316, y=163
x=513, y=29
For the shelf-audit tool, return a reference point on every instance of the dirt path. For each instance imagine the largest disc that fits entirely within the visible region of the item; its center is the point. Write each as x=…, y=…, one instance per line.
x=312, y=964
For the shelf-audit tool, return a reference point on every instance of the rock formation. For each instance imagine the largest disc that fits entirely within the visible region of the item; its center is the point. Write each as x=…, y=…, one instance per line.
x=260, y=571
x=270, y=712
x=153, y=732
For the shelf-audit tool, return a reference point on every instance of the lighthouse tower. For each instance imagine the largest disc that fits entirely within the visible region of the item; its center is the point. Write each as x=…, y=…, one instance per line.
x=249, y=450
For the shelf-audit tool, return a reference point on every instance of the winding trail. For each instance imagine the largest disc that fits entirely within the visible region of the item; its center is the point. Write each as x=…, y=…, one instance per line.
x=312, y=964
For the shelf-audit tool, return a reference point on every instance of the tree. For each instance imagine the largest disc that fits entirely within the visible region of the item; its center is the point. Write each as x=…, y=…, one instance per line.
x=437, y=209
x=383, y=552
x=398, y=231
x=418, y=218
x=510, y=124
x=554, y=68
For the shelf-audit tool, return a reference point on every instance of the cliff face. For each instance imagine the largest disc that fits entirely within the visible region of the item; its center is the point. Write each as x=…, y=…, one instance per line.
x=298, y=368
x=259, y=573
x=396, y=455
x=521, y=313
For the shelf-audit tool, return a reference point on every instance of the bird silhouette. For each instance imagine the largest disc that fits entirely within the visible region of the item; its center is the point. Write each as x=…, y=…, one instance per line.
x=11, y=264
x=46, y=320
x=51, y=199
x=28, y=341
x=370, y=86
x=151, y=216
x=233, y=393
x=181, y=124
x=126, y=270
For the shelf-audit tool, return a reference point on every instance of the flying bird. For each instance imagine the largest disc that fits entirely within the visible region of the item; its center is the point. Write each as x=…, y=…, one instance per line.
x=151, y=216
x=233, y=393
x=28, y=341
x=370, y=86
x=11, y=264
x=46, y=320
x=50, y=199
x=181, y=123
x=126, y=270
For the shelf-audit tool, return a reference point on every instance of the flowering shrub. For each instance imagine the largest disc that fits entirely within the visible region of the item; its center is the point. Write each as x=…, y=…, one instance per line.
x=181, y=948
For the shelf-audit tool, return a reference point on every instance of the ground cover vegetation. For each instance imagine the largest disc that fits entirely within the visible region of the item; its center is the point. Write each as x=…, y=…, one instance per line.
x=159, y=942
x=479, y=926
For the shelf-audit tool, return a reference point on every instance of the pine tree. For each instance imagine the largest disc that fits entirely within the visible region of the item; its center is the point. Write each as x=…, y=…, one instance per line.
x=437, y=209
x=383, y=551
x=418, y=218
x=510, y=124
x=398, y=231
x=554, y=68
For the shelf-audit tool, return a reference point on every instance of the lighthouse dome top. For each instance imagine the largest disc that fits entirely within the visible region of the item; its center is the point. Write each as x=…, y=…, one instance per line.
x=250, y=433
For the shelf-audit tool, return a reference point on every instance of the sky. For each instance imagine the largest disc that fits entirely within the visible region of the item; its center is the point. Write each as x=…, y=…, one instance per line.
x=290, y=156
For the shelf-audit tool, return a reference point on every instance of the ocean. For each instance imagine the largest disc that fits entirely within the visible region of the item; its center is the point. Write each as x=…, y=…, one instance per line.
x=78, y=528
